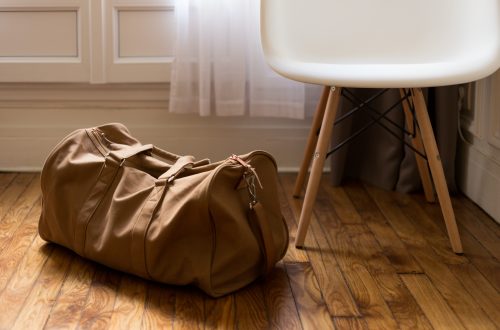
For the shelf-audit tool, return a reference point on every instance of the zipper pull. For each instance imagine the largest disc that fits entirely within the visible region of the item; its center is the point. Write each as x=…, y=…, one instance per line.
x=248, y=167
x=249, y=175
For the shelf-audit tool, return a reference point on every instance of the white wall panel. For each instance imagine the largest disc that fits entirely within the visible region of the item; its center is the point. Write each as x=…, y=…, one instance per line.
x=38, y=33
x=44, y=41
x=146, y=33
x=96, y=41
x=129, y=59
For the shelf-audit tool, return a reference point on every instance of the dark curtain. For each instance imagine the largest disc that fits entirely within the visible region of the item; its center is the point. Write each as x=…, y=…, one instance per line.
x=378, y=158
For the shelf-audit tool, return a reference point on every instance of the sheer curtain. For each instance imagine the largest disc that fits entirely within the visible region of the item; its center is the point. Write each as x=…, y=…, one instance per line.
x=219, y=68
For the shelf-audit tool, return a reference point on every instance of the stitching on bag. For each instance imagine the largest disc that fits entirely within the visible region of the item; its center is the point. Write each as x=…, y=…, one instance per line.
x=133, y=232
x=213, y=237
x=84, y=224
x=98, y=146
x=145, y=232
x=213, y=233
x=90, y=218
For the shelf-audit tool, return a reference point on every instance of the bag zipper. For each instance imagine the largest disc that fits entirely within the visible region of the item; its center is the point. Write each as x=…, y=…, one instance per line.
x=98, y=142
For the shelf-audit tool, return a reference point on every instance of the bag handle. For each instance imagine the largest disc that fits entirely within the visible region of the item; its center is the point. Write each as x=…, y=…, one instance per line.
x=174, y=157
x=125, y=153
x=133, y=149
x=164, y=154
x=179, y=166
x=117, y=133
x=258, y=215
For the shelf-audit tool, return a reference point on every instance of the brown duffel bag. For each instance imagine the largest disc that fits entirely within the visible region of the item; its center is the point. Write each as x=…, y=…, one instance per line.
x=169, y=218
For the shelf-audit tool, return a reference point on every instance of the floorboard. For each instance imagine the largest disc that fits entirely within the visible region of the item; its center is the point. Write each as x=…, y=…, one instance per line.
x=372, y=259
x=251, y=313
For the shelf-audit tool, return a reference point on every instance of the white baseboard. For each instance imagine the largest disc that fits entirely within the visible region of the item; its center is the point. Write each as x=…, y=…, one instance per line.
x=479, y=179
x=34, y=117
x=479, y=155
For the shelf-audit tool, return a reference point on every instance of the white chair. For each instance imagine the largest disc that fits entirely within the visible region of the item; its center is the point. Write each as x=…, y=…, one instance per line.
x=405, y=44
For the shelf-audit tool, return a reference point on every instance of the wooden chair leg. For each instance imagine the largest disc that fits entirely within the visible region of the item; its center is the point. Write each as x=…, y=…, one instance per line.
x=416, y=142
x=318, y=162
x=436, y=168
x=311, y=142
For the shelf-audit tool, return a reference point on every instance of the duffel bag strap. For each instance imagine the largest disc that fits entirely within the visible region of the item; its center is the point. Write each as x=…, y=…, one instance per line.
x=258, y=215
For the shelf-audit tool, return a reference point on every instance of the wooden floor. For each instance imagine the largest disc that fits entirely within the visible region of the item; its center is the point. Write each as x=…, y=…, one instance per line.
x=373, y=259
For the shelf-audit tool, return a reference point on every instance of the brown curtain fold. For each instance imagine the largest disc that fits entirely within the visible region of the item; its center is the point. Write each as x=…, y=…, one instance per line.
x=378, y=158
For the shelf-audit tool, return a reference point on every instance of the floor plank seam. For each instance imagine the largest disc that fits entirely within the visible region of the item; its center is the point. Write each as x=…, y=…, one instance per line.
x=294, y=297
x=410, y=273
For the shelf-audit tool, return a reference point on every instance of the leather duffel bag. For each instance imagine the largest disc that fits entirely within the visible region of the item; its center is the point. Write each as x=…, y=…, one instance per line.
x=164, y=217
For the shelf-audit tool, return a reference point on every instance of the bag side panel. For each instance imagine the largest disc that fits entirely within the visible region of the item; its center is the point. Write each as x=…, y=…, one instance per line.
x=238, y=259
x=268, y=196
x=67, y=178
